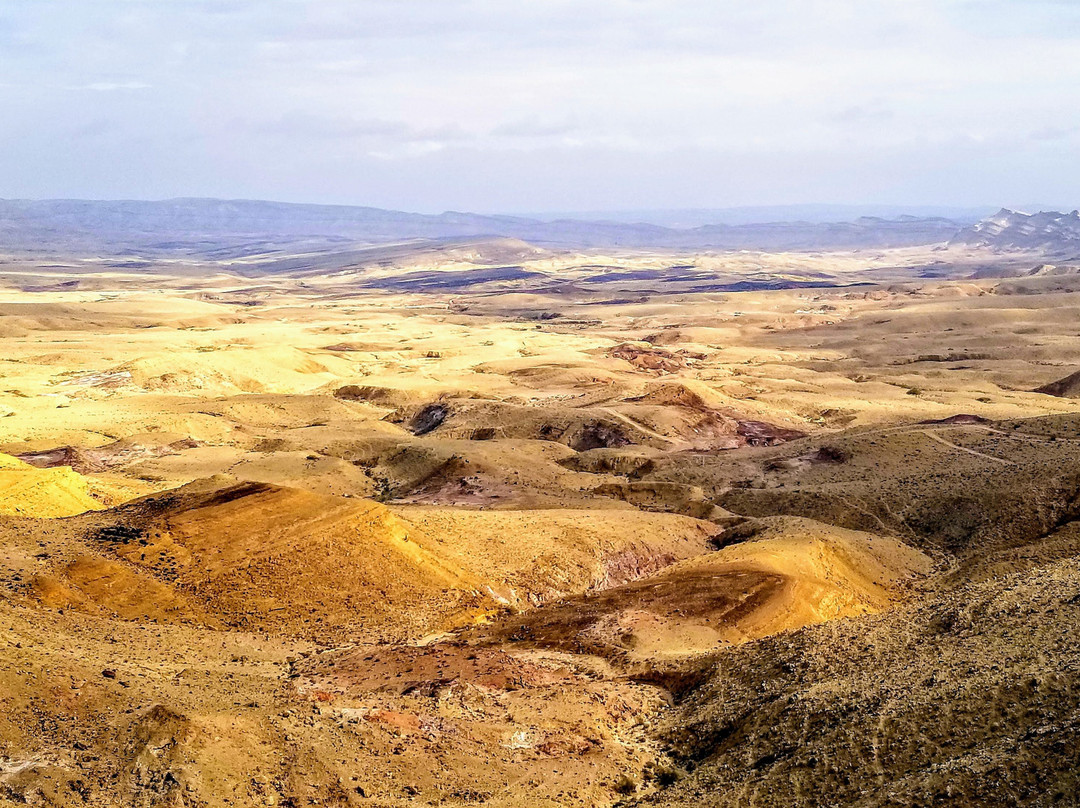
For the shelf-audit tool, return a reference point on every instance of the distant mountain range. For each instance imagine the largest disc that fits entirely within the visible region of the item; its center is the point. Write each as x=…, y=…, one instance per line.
x=198, y=226
x=207, y=227
x=1010, y=229
x=757, y=214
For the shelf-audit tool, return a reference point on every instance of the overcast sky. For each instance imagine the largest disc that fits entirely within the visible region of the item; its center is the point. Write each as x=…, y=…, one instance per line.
x=533, y=105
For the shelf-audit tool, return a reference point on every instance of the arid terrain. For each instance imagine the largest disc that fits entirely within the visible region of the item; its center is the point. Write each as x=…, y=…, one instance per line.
x=480, y=520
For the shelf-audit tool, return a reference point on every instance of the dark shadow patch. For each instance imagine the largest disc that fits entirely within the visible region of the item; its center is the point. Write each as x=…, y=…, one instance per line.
x=597, y=435
x=429, y=418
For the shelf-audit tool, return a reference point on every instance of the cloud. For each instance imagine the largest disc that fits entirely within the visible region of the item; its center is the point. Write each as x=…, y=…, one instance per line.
x=533, y=127
x=1051, y=133
x=306, y=125
x=862, y=113
x=599, y=102
x=112, y=86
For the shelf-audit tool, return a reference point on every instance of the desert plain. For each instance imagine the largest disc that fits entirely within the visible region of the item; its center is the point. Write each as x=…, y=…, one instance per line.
x=475, y=521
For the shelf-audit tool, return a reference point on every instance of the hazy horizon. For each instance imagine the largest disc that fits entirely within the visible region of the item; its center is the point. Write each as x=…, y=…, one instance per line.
x=674, y=218
x=735, y=214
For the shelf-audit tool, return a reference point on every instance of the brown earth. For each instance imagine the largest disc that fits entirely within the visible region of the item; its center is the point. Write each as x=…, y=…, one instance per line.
x=599, y=531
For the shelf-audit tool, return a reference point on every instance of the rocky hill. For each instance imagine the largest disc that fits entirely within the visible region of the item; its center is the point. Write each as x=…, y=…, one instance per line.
x=1011, y=229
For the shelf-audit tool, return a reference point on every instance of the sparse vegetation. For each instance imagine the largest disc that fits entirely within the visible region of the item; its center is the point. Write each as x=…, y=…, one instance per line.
x=625, y=785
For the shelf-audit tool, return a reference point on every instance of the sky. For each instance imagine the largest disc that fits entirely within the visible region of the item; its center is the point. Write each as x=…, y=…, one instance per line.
x=537, y=105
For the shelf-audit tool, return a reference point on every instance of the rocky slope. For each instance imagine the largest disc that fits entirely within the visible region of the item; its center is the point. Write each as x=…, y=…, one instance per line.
x=1010, y=229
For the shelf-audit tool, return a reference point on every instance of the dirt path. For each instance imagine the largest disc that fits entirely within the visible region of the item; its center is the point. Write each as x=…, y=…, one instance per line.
x=943, y=442
x=1026, y=436
x=639, y=427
